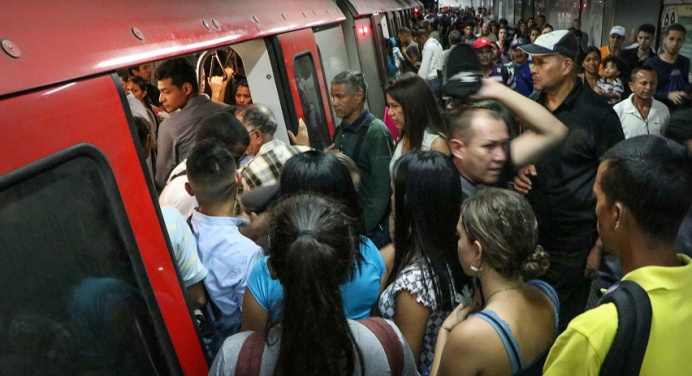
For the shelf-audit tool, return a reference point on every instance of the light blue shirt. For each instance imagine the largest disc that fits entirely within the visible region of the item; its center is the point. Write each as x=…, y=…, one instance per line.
x=360, y=294
x=184, y=246
x=229, y=256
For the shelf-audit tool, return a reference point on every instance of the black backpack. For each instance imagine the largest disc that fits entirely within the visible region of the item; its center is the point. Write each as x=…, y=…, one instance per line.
x=633, y=305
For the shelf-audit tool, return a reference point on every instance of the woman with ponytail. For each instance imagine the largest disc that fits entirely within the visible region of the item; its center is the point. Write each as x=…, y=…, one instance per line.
x=518, y=318
x=314, y=245
x=323, y=173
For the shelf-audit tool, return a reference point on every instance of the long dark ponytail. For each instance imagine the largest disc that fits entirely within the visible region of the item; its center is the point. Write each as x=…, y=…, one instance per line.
x=312, y=254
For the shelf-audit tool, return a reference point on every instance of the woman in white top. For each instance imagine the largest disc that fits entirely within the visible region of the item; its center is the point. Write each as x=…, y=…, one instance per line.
x=416, y=115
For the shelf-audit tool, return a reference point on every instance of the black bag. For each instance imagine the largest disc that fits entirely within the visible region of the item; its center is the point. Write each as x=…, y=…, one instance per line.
x=633, y=305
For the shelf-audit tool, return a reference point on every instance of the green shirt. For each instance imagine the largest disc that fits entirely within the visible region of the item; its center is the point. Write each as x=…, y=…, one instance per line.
x=368, y=142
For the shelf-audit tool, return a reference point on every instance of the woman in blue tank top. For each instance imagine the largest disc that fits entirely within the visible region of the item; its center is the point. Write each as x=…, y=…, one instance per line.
x=513, y=322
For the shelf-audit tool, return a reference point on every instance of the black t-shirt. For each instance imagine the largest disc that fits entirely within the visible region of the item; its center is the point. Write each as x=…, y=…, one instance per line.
x=562, y=192
x=412, y=52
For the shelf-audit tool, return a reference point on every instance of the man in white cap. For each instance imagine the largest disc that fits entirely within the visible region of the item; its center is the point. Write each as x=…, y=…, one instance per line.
x=617, y=36
x=559, y=187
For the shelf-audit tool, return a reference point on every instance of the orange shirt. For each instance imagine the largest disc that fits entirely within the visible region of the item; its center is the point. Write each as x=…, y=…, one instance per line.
x=605, y=52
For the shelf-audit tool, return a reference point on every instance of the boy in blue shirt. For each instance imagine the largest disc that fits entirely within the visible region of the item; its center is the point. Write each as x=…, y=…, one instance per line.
x=227, y=255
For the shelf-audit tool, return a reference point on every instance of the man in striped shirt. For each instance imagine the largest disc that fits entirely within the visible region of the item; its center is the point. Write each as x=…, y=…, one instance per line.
x=495, y=72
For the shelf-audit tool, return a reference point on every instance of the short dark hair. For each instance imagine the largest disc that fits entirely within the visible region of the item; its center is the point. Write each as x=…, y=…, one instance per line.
x=460, y=125
x=211, y=172
x=353, y=79
x=679, y=127
x=640, y=68
x=225, y=129
x=652, y=177
x=423, y=33
x=647, y=28
x=541, y=15
x=676, y=27
x=136, y=67
x=123, y=74
x=260, y=117
x=180, y=71
x=505, y=113
x=455, y=37
x=405, y=31
x=619, y=63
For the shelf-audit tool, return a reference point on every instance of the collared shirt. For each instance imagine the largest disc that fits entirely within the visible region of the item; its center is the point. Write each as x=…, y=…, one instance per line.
x=265, y=167
x=136, y=107
x=229, y=257
x=634, y=125
x=432, y=59
x=467, y=188
x=582, y=348
x=184, y=246
x=562, y=192
x=631, y=57
x=177, y=134
x=372, y=157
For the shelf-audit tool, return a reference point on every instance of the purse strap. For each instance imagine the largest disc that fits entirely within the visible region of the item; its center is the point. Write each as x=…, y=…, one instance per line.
x=389, y=341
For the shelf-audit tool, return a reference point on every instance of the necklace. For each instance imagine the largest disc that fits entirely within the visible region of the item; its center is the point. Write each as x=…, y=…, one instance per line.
x=504, y=289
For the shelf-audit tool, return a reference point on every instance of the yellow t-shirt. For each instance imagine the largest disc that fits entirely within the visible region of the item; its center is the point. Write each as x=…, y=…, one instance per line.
x=581, y=349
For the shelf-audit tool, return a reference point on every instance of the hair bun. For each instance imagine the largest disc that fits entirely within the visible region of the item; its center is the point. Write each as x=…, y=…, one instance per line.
x=536, y=264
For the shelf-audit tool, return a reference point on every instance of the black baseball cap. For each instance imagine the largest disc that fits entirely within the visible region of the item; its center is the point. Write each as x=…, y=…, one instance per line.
x=463, y=72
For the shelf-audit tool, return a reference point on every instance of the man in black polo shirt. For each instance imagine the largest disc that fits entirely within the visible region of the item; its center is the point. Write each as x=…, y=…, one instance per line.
x=559, y=188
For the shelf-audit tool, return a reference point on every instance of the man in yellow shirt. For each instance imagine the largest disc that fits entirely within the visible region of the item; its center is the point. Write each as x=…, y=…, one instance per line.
x=614, y=46
x=643, y=190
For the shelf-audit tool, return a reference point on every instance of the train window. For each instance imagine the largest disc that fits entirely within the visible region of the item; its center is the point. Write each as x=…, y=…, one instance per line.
x=311, y=100
x=72, y=302
x=222, y=77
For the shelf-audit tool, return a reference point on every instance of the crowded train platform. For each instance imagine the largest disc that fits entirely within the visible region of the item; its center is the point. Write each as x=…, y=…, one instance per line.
x=423, y=190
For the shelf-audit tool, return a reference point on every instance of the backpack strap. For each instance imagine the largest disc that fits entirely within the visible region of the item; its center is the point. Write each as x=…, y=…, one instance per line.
x=389, y=341
x=633, y=305
x=249, y=361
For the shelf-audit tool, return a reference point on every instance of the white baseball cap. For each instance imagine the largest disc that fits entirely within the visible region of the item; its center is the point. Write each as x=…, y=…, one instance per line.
x=618, y=30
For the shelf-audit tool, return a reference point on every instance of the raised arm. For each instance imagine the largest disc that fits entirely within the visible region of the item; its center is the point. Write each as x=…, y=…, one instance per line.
x=547, y=133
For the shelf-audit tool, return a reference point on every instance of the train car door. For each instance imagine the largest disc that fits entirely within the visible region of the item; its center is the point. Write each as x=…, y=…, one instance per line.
x=86, y=272
x=305, y=78
x=332, y=52
x=370, y=45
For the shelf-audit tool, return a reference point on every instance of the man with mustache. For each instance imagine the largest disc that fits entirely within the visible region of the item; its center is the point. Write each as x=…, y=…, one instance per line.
x=559, y=186
x=641, y=113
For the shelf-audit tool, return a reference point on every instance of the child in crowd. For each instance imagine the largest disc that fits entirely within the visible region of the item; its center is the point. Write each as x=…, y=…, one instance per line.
x=224, y=251
x=610, y=85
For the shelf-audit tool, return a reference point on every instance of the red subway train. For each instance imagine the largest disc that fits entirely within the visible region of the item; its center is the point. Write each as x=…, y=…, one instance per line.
x=86, y=268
